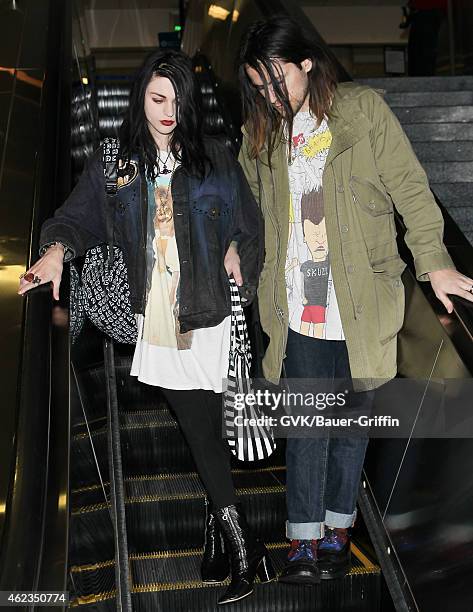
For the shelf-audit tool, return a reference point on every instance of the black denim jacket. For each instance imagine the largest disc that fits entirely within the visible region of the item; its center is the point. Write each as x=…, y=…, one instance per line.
x=208, y=215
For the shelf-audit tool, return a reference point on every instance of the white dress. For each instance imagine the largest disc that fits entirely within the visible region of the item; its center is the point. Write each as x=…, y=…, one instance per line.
x=163, y=356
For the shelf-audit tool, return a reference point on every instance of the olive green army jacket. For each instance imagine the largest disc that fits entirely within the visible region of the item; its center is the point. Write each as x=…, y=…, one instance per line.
x=370, y=169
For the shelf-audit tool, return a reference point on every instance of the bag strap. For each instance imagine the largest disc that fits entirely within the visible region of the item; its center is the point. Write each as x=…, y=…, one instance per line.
x=111, y=150
x=239, y=332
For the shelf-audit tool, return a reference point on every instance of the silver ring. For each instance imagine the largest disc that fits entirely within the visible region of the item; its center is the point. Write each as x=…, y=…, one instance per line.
x=36, y=280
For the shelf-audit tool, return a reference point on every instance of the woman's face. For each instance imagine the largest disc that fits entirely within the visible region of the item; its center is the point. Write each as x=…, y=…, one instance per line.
x=160, y=106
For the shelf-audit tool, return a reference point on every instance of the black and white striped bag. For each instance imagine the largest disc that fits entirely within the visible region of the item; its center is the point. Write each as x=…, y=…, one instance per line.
x=247, y=442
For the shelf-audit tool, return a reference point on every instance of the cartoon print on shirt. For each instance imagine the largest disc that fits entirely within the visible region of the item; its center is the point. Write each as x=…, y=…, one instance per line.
x=314, y=270
x=312, y=303
x=319, y=143
x=298, y=140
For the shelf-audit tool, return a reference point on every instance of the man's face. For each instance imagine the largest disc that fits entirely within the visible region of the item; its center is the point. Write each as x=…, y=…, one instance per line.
x=295, y=79
x=315, y=236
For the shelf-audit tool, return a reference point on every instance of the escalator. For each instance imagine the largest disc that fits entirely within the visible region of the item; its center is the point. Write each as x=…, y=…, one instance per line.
x=165, y=500
x=165, y=562
x=405, y=539
x=165, y=510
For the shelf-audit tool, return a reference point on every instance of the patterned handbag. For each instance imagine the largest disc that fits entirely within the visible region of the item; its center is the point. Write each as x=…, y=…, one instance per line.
x=101, y=291
x=247, y=442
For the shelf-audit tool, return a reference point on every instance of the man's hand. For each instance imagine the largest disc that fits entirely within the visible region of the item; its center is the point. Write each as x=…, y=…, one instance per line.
x=232, y=264
x=451, y=282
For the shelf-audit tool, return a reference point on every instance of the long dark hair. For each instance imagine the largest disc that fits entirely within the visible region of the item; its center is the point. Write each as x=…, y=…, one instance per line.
x=186, y=141
x=281, y=38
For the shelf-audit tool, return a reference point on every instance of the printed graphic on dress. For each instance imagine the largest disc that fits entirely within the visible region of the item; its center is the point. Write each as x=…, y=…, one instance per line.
x=308, y=277
x=161, y=326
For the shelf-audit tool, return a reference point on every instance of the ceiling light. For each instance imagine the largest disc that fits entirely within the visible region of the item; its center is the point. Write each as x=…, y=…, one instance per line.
x=218, y=12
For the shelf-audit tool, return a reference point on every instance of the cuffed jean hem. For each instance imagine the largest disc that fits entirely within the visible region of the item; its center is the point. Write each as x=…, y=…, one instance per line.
x=335, y=519
x=304, y=531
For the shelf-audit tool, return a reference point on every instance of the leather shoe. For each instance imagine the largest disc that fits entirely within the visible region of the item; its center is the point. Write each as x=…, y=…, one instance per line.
x=301, y=567
x=333, y=554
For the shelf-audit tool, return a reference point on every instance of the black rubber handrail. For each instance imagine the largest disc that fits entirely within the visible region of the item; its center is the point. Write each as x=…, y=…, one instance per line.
x=33, y=547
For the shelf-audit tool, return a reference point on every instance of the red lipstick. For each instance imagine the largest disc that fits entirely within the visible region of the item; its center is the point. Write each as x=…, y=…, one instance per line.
x=167, y=122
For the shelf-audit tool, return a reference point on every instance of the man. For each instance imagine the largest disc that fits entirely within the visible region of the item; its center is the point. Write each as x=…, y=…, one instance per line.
x=308, y=137
x=425, y=19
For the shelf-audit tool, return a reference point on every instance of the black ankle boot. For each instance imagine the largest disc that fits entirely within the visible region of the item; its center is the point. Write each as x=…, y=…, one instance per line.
x=215, y=562
x=248, y=556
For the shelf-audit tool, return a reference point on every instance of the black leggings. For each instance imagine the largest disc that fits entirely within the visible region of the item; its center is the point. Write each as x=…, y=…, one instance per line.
x=199, y=413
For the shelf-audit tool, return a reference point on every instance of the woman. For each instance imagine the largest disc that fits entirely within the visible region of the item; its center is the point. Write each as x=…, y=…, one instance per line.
x=182, y=200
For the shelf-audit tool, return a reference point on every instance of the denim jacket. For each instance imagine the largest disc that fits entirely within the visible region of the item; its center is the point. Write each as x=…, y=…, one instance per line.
x=208, y=216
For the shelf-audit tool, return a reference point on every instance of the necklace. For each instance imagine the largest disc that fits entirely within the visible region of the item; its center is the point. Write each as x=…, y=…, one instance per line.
x=164, y=211
x=165, y=169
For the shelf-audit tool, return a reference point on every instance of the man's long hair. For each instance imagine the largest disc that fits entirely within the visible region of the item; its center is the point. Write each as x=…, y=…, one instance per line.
x=281, y=38
x=186, y=141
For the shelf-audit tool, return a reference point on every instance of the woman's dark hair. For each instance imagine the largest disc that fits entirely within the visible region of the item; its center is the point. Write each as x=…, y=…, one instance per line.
x=281, y=38
x=186, y=142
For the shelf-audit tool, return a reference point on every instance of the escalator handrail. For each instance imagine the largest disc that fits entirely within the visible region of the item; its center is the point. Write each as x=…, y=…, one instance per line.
x=33, y=546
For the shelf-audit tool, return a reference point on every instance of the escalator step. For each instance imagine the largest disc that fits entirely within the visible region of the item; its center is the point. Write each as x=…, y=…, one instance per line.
x=132, y=395
x=137, y=419
x=169, y=580
x=155, y=441
x=171, y=511
x=176, y=485
x=166, y=512
x=149, y=438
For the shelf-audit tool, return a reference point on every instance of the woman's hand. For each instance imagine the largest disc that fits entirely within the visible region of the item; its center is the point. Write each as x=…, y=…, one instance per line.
x=48, y=269
x=232, y=264
x=451, y=282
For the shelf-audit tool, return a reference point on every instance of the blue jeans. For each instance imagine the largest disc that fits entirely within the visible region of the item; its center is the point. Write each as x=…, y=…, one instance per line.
x=323, y=474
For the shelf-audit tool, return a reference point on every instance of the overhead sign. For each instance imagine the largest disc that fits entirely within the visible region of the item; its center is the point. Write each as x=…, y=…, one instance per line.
x=169, y=40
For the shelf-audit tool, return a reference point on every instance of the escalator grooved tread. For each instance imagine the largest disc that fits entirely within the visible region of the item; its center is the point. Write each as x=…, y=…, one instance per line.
x=158, y=443
x=171, y=512
x=127, y=415
x=144, y=499
x=165, y=515
x=177, y=487
x=160, y=418
x=168, y=476
x=159, y=572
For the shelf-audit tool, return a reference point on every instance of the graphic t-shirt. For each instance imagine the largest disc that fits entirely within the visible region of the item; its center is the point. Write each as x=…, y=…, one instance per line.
x=163, y=355
x=313, y=308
